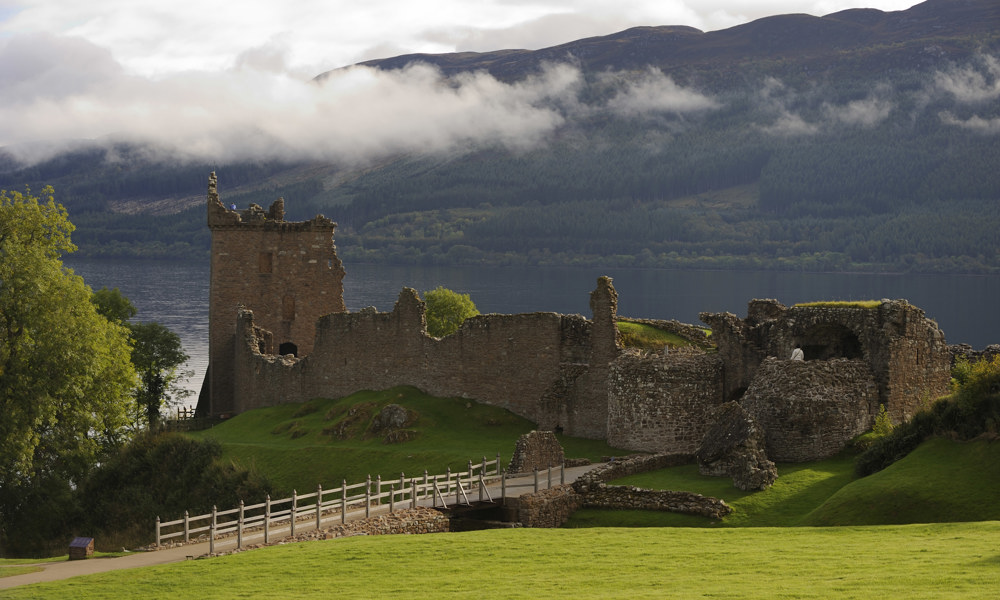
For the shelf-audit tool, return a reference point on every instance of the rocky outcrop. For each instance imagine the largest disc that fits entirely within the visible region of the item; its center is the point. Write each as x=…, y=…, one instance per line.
x=735, y=447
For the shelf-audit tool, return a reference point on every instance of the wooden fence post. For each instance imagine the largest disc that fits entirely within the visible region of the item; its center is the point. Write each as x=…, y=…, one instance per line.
x=402, y=486
x=392, y=497
x=368, y=497
x=498, y=463
x=267, y=518
x=550, y=475
x=503, y=488
x=378, y=490
x=562, y=474
x=294, y=511
x=187, y=527
x=343, y=501
x=413, y=494
x=319, y=504
x=425, y=483
x=211, y=533
x=239, y=527
x=157, y=530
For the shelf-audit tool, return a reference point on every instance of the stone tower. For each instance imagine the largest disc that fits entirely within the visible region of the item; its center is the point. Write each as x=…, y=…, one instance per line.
x=287, y=273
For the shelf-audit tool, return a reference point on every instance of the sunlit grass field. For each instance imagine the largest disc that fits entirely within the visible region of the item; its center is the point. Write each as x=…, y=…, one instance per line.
x=942, y=561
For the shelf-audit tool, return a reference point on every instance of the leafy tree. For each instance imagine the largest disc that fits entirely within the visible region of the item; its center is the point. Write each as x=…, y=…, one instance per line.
x=156, y=355
x=65, y=375
x=446, y=310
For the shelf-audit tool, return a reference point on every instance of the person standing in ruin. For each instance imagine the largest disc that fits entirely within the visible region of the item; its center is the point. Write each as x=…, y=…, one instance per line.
x=797, y=354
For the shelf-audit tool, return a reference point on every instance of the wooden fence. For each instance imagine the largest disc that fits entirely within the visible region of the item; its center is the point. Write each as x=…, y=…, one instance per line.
x=303, y=510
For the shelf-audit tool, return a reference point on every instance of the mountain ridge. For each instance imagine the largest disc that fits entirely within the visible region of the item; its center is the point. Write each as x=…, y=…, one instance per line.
x=673, y=48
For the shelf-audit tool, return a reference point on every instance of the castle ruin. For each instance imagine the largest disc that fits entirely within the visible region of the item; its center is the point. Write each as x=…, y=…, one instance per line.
x=280, y=332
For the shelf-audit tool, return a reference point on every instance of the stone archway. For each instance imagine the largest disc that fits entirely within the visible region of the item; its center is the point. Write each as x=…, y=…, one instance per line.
x=288, y=348
x=830, y=340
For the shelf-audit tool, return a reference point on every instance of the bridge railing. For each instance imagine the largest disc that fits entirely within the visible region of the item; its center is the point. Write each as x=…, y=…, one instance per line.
x=311, y=509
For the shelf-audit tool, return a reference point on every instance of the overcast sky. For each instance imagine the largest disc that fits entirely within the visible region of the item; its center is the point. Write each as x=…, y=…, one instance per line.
x=191, y=73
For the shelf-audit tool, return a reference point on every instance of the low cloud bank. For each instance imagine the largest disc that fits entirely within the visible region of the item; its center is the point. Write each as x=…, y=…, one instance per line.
x=54, y=89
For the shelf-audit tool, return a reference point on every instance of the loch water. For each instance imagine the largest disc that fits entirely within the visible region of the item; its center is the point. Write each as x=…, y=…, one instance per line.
x=176, y=294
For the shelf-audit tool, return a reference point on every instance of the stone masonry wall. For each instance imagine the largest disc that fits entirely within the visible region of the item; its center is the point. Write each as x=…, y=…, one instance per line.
x=662, y=403
x=905, y=351
x=526, y=363
x=536, y=450
x=809, y=410
x=626, y=497
x=548, y=508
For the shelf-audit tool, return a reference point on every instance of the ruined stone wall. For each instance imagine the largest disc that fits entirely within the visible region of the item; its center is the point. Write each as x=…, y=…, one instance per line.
x=536, y=450
x=525, y=363
x=662, y=403
x=548, y=508
x=287, y=273
x=904, y=351
x=809, y=410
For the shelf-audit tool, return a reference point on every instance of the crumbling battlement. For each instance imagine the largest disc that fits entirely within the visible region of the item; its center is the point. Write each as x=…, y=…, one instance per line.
x=905, y=352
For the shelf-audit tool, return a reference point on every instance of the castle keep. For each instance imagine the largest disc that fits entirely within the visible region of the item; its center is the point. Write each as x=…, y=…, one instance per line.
x=279, y=332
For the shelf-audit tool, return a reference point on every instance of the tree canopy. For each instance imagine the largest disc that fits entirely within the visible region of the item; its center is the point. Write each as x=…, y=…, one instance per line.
x=446, y=310
x=65, y=374
x=156, y=355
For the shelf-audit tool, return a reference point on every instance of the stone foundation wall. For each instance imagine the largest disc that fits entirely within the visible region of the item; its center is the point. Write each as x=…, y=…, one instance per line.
x=630, y=465
x=662, y=403
x=809, y=410
x=548, y=508
x=624, y=497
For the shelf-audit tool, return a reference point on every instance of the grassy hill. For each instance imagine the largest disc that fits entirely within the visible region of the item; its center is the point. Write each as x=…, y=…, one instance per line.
x=325, y=441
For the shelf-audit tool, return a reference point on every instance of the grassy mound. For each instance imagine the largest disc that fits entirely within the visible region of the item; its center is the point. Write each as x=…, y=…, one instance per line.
x=324, y=441
x=944, y=480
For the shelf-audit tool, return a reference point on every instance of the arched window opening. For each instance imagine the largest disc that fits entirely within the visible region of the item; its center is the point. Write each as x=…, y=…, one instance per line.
x=288, y=348
x=830, y=340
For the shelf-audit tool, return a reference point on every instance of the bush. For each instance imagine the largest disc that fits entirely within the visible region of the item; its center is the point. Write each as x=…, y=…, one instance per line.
x=447, y=310
x=972, y=410
x=161, y=475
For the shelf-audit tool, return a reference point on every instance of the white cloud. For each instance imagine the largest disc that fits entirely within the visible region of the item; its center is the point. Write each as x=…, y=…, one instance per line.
x=866, y=113
x=974, y=123
x=654, y=93
x=971, y=85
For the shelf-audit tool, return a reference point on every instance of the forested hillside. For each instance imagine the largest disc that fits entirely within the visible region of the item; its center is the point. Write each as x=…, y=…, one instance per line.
x=858, y=141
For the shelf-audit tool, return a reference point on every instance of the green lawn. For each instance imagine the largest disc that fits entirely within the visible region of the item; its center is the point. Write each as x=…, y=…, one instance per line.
x=941, y=561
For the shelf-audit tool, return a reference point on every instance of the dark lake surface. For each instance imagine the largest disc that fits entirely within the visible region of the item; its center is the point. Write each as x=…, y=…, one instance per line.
x=176, y=293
